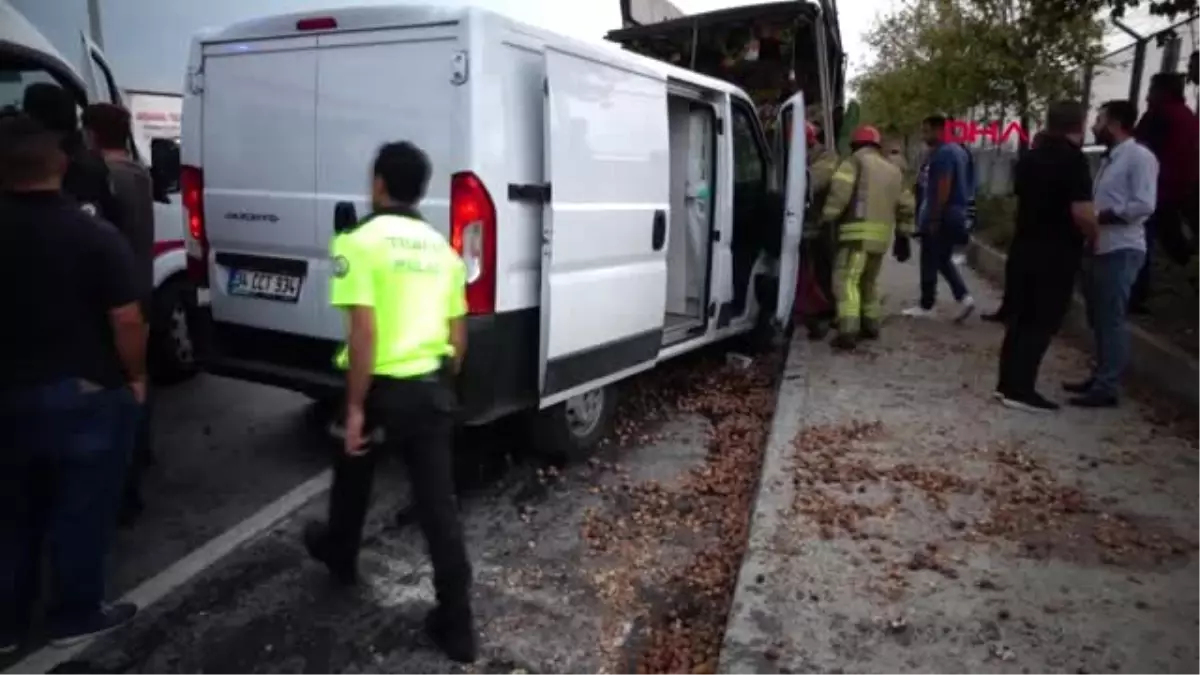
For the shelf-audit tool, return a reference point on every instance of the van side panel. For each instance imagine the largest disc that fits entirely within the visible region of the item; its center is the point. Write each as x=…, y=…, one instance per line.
x=259, y=150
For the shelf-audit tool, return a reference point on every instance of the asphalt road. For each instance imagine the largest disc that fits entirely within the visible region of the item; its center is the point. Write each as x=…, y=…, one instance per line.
x=546, y=600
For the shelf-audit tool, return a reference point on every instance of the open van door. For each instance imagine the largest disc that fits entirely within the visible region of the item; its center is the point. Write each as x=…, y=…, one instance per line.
x=604, y=230
x=102, y=85
x=793, y=167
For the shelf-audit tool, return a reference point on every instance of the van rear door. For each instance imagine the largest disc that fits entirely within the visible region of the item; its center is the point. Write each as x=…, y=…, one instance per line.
x=604, y=254
x=259, y=154
x=795, y=192
x=291, y=126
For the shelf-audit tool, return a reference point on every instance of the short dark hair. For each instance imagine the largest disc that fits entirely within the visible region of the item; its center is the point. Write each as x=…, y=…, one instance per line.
x=404, y=169
x=937, y=121
x=51, y=105
x=1168, y=85
x=1122, y=112
x=1066, y=117
x=29, y=151
x=111, y=125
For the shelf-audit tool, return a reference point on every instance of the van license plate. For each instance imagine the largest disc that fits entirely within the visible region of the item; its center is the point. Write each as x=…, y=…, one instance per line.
x=267, y=285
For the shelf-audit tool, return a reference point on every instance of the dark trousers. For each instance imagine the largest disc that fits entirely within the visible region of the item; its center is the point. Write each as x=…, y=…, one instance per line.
x=817, y=253
x=417, y=419
x=141, y=457
x=1010, y=272
x=1172, y=229
x=63, y=454
x=1037, y=301
x=936, y=252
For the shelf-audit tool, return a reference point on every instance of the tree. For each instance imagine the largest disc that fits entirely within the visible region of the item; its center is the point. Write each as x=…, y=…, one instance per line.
x=955, y=55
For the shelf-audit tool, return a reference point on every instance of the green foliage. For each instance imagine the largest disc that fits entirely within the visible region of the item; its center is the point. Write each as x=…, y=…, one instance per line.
x=955, y=55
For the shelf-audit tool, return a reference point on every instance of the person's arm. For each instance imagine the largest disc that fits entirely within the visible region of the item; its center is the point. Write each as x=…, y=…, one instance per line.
x=841, y=190
x=1143, y=192
x=353, y=290
x=120, y=291
x=1079, y=195
x=456, y=312
x=821, y=172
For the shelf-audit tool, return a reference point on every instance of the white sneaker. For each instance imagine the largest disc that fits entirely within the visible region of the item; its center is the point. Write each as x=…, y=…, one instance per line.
x=959, y=259
x=966, y=307
x=917, y=312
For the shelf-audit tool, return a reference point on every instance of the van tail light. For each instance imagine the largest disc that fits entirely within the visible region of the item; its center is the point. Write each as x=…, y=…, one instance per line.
x=191, y=184
x=473, y=235
x=317, y=23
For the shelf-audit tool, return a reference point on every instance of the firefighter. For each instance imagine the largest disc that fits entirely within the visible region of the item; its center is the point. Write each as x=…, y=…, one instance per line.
x=817, y=245
x=867, y=201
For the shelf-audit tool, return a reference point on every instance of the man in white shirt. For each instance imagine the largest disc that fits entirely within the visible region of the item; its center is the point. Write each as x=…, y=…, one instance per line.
x=1125, y=195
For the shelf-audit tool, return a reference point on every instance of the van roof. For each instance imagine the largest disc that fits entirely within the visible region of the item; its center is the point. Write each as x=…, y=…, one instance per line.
x=377, y=17
x=21, y=38
x=363, y=17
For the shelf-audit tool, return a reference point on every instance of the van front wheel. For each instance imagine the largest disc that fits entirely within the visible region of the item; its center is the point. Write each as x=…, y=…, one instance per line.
x=570, y=431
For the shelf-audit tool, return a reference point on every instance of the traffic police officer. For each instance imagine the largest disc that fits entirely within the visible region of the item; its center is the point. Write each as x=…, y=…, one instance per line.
x=817, y=245
x=867, y=201
x=403, y=289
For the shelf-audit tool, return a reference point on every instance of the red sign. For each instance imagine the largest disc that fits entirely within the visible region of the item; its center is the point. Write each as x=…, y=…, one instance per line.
x=960, y=131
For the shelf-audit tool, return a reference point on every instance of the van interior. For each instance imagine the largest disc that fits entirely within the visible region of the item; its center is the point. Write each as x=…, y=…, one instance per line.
x=771, y=52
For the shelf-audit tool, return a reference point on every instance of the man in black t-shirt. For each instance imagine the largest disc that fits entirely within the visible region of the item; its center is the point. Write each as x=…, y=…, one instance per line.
x=1055, y=220
x=72, y=372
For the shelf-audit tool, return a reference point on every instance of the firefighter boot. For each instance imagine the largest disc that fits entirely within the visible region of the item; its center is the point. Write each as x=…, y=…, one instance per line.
x=818, y=328
x=845, y=342
x=869, y=330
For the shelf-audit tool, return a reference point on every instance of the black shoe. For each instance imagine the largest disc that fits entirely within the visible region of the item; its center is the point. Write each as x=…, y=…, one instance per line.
x=109, y=617
x=1139, y=309
x=1093, y=399
x=1078, y=387
x=844, y=342
x=868, y=333
x=998, y=316
x=1033, y=402
x=817, y=332
x=316, y=542
x=455, y=636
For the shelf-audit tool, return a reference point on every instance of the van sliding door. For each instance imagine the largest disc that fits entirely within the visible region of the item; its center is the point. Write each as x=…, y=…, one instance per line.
x=604, y=236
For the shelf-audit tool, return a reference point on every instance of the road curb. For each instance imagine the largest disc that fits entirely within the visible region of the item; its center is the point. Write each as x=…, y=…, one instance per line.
x=1163, y=366
x=746, y=644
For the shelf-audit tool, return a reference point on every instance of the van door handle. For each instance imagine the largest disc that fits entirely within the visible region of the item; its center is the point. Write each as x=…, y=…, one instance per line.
x=660, y=230
x=345, y=217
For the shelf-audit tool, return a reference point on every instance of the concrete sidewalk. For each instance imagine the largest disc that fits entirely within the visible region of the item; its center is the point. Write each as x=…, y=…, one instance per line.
x=908, y=522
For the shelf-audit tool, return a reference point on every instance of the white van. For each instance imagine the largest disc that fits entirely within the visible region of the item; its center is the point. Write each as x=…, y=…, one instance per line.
x=27, y=57
x=612, y=209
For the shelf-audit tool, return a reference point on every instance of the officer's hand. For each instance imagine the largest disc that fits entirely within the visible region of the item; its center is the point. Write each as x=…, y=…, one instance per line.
x=355, y=444
x=901, y=248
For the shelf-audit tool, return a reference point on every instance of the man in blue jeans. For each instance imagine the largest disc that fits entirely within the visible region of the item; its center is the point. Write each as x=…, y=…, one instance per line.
x=1125, y=195
x=946, y=188
x=72, y=372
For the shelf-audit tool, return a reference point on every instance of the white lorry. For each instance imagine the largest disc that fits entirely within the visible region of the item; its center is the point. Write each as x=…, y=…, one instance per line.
x=26, y=57
x=611, y=208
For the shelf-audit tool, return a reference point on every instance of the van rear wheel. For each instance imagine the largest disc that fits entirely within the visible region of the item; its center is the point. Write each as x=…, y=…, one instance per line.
x=570, y=431
x=171, y=345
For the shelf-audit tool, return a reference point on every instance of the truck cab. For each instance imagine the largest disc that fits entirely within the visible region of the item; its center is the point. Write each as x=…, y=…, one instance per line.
x=27, y=57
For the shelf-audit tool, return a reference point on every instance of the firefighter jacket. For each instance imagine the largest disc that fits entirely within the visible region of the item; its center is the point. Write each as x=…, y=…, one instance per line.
x=822, y=163
x=868, y=200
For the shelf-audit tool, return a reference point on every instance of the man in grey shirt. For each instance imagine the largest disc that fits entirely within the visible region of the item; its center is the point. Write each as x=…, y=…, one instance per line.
x=1125, y=195
x=108, y=128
